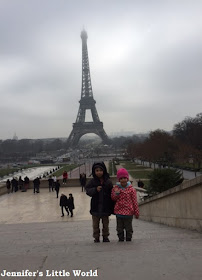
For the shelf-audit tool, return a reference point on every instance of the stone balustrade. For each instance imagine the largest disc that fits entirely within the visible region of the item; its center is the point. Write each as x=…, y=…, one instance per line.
x=180, y=206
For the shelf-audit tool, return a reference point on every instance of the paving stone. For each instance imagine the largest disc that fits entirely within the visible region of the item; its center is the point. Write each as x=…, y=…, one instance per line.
x=33, y=236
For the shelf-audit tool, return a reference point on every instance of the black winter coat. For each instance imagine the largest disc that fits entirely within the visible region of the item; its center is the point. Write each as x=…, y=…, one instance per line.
x=71, y=203
x=57, y=186
x=63, y=200
x=101, y=202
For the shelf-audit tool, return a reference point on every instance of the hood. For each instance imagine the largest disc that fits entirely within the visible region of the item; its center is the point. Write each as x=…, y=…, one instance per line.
x=129, y=185
x=103, y=167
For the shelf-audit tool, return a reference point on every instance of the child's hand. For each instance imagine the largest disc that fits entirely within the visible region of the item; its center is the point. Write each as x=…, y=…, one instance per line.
x=99, y=188
x=136, y=217
x=117, y=191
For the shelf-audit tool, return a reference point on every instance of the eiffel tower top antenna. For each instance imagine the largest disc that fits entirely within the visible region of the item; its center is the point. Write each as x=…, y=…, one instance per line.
x=86, y=89
x=87, y=102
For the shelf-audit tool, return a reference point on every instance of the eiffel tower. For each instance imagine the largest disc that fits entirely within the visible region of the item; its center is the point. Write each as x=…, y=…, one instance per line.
x=87, y=102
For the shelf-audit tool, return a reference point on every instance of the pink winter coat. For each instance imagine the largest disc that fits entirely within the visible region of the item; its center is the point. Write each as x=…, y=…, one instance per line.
x=126, y=201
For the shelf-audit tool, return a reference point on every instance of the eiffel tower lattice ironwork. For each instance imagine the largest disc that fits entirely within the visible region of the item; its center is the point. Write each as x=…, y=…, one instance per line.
x=87, y=102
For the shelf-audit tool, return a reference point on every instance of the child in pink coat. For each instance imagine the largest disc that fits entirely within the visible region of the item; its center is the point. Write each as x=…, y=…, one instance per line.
x=126, y=205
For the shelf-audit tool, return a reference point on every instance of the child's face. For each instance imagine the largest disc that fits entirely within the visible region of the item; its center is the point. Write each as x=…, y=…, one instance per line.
x=123, y=181
x=98, y=172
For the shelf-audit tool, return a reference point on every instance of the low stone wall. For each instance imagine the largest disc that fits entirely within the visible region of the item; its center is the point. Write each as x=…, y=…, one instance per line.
x=71, y=183
x=180, y=206
x=44, y=184
x=3, y=189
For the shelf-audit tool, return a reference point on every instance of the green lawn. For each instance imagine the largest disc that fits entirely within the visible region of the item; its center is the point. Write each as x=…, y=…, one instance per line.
x=130, y=165
x=7, y=171
x=67, y=167
x=140, y=174
x=136, y=171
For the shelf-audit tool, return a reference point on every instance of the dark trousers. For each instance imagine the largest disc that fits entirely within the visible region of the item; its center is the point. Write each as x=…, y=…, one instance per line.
x=66, y=208
x=57, y=192
x=51, y=187
x=36, y=188
x=14, y=188
x=96, y=226
x=124, y=223
x=71, y=211
x=25, y=187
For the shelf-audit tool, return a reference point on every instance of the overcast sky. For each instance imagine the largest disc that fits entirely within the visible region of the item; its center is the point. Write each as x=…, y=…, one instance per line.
x=145, y=62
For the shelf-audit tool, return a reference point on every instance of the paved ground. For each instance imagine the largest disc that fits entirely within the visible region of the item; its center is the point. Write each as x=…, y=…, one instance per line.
x=27, y=207
x=33, y=236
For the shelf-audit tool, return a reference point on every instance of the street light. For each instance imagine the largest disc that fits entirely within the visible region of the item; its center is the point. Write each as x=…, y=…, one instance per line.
x=89, y=165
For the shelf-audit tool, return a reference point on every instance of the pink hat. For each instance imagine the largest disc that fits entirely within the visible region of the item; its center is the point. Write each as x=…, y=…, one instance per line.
x=121, y=173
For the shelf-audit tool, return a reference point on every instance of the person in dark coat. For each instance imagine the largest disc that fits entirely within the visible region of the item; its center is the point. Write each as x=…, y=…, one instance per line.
x=64, y=204
x=14, y=184
x=51, y=184
x=20, y=183
x=8, y=186
x=140, y=184
x=99, y=189
x=83, y=181
x=71, y=204
x=36, y=183
x=26, y=183
x=57, y=187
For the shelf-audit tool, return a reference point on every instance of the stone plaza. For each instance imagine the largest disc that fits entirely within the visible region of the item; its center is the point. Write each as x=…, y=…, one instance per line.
x=37, y=243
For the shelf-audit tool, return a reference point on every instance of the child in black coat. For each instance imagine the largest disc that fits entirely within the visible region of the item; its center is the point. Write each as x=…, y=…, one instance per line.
x=99, y=188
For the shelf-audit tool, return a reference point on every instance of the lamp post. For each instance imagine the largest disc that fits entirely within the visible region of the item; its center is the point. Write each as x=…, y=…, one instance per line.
x=89, y=165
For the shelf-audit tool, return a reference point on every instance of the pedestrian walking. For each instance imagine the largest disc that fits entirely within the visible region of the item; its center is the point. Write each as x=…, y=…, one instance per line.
x=54, y=181
x=126, y=205
x=64, y=204
x=20, y=183
x=71, y=204
x=26, y=184
x=14, y=184
x=36, y=183
x=83, y=181
x=50, y=184
x=57, y=187
x=99, y=189
x=8, y=186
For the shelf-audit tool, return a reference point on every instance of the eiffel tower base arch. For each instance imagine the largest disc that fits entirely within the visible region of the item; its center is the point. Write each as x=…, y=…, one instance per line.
x=80, y=129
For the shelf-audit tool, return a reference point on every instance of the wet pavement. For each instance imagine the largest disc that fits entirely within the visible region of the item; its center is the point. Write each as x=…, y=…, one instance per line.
x=34, y=237
x=26, y=207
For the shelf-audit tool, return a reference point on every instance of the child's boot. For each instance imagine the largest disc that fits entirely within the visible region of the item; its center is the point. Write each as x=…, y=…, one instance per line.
x=106, y=239
x=97, y=240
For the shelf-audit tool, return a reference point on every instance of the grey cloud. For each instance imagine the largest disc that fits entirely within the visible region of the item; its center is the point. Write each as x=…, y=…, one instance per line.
x=145, y=60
